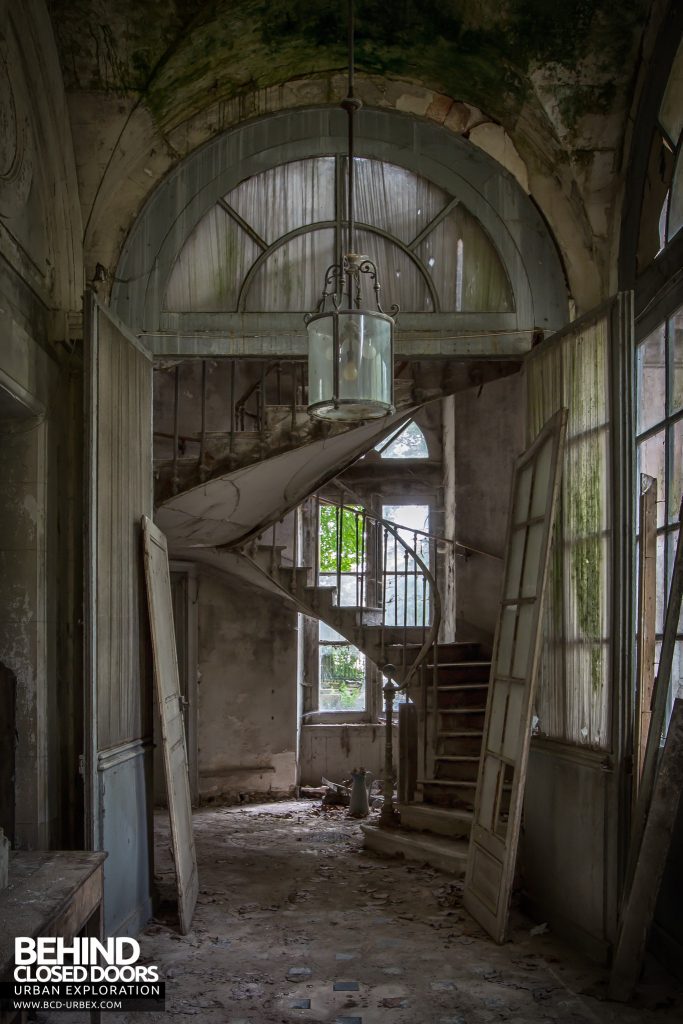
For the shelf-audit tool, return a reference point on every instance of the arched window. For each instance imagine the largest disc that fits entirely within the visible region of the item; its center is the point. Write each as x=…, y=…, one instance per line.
x=266, y=244
x=408, y=442
x=232, y=247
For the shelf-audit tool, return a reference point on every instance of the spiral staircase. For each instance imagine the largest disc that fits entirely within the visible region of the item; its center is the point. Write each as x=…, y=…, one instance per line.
x=222, y=513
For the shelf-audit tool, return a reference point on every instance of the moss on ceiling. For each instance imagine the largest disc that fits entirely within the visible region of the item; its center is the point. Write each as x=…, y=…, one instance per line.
x=181, y=54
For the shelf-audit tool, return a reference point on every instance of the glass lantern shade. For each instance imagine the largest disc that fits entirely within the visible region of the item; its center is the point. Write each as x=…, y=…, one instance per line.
x=350, y=365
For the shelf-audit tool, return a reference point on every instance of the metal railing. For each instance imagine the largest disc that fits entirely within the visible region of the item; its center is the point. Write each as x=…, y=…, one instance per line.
x=381, y=567
x=278, y=383
x=384, y=567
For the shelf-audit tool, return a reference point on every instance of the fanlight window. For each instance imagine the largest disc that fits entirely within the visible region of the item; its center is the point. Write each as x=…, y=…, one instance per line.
x=265, y=245
x=408, y=442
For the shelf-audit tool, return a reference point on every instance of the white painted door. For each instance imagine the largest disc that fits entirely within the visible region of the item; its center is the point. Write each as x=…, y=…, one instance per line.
x=167, y=686
x=507, y=728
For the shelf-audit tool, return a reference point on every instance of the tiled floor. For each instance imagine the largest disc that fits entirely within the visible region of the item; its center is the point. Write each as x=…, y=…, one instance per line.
x=296, y=923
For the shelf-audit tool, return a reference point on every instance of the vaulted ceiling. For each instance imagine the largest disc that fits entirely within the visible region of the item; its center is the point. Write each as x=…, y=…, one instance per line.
x=544, y=87
x=575, y=58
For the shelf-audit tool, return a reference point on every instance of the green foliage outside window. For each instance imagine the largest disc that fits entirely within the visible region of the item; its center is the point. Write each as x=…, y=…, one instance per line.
x=349, y=545
x=342, y=678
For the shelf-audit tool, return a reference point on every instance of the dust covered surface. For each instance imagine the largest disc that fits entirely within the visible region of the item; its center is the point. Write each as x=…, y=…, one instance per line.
x=295, y=922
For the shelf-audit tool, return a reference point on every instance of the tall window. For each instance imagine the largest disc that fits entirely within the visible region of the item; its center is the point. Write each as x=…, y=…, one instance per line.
x=341, y=666
x=371, y=566
x=406, y=592
x=659, y=444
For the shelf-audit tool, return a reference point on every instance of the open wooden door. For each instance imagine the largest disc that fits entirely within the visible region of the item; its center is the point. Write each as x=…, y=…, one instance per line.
x=170, y=706
x=507, y=728
x=117, y=762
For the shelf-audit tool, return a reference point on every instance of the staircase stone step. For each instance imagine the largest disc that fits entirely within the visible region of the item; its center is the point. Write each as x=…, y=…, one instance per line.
x=321, y=598
x=444, y=854
x=354, y=617
x=445, y=821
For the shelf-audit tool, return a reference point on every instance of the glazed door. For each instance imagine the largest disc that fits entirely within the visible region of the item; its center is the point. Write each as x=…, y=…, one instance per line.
x=507, y=727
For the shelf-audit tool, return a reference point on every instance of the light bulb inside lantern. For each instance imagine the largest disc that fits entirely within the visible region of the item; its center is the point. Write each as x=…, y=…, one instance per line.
x=350, y=370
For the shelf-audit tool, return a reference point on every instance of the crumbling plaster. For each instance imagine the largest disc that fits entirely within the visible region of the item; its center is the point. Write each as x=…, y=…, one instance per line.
x=247, y=705
x=545, y=92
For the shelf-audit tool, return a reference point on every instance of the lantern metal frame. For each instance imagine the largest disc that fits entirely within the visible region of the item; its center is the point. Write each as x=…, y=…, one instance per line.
x=344, y=279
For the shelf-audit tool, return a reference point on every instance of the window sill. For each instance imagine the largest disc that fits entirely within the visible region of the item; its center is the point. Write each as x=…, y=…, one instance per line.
x=331, y=719
x=360, y=718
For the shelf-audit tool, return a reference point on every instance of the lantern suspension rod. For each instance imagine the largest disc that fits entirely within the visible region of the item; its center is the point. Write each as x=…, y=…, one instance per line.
x=350, y=104
x=351, y=110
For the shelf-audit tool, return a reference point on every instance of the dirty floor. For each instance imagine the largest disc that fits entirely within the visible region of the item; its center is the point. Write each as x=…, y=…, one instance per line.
x=295, y=922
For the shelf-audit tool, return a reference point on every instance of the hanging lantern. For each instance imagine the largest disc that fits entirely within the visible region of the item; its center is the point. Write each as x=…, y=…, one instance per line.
x=350, y=348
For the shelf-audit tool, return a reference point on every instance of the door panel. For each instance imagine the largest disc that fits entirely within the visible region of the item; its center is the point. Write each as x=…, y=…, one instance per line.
x=171, y=718
x=118, y=471
x=502, y=771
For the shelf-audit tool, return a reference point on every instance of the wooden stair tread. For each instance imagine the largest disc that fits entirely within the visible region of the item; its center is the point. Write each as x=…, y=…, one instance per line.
x=459, y=664
x=461, y=734
x=450, y=687
x=456, y=757
x=462, y=711
x=447, y=782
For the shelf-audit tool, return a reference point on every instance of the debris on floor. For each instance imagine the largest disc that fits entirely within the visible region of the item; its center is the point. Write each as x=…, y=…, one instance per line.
x=296, y=922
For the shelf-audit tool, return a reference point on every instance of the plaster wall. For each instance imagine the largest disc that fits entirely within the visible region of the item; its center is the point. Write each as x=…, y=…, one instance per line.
x=247, y=691
x=29, y=431
x=565, y=856
x=486, y=435
x=333, y=750
x=666, y=936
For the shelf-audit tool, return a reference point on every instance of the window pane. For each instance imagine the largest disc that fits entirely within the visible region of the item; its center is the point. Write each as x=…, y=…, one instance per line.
x=326, y=632
x=291, y=280
x=211, y=265
x=410, y=517
x=401, y=281
x=676, y=364
x=676, y=688
x=673, y=541
x=671, y=110
x=651, y=380
x=342, y=678
x=652, y=460
x=286, y=197
x=408, y=443
x=341, y=541
x=406, y=592
x=465, y=266
x=676, y=480
x=394, y=199
x=676, y=200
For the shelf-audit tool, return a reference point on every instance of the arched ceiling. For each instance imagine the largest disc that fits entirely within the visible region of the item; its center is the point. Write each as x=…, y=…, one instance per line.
x=544, y=86
x=179, y=53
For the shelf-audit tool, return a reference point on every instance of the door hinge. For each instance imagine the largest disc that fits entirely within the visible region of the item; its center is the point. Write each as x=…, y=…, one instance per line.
x=81, y=765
